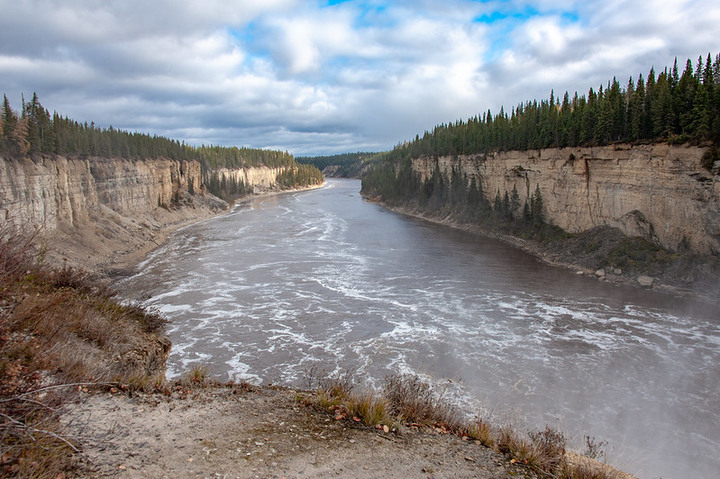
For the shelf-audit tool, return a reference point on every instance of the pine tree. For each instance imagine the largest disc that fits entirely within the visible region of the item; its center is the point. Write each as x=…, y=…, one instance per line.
x=9, y=120
x=538, y=217
x=514, y=201
x=506, y=212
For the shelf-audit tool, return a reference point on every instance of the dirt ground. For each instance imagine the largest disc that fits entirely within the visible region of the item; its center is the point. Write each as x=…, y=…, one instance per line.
x=233, y=432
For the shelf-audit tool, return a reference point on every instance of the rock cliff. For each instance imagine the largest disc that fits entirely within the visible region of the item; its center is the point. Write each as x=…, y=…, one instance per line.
x=259, y=178
x=660, y=192
x=95, y=211
x=47, y=191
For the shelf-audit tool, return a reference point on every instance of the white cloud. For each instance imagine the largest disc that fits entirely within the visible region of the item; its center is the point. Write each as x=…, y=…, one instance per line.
x=309, y=78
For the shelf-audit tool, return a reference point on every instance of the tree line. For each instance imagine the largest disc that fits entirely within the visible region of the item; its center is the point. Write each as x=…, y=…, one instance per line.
x=453, y=193
x=300, y=175
x=35, y=130
x=674, y=105
x=349, y=165
x=669, y=106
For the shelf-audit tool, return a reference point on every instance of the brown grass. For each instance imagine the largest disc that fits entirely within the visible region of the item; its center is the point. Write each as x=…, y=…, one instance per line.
x=414, y=401
x=61, y=328
x=405, y=399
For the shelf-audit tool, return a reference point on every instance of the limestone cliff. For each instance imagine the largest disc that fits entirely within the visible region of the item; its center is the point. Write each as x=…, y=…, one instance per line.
x=47, y=191
x=259, y=178
x=95, y=211
x=660, y=191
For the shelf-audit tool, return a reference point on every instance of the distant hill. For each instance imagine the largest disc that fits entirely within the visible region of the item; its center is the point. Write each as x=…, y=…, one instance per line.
x=346, y=165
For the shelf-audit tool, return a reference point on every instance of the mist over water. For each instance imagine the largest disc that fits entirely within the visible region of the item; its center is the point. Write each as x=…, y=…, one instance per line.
x=323, y=278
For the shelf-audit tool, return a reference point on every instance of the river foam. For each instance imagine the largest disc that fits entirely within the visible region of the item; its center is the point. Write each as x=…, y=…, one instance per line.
x=323, y=279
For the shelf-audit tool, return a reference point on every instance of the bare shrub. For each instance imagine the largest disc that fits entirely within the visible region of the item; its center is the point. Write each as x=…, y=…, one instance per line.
x=595, y=449
x=549, y=447
x=413, y=400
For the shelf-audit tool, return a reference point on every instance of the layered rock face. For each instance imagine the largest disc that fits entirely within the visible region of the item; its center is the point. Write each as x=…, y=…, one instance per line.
x=660, y=192
x=106, y=214
x=46, y=191
x=261, y=177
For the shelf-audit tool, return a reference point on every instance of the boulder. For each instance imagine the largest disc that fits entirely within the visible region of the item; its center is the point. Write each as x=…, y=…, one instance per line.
x=645, y=281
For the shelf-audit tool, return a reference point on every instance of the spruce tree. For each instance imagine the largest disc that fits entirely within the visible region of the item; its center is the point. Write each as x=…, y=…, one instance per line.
x=538, y=216
x=514, y=201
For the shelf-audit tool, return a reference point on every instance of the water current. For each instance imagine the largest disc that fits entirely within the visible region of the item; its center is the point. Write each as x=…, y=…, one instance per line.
x=322, y=278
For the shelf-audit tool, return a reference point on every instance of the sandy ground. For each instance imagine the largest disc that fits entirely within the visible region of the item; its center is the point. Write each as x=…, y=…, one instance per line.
x=233, y=432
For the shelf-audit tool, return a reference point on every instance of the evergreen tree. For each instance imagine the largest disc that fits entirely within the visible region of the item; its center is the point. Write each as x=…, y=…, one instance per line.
x=9, y=121
x=514, y=201
x=506, y=212
x=497, y=205
x=536, y=205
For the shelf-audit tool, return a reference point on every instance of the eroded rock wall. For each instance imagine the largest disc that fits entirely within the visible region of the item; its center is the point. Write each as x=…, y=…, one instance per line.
x=658, y=191
x=261, y=177
x=47, y=190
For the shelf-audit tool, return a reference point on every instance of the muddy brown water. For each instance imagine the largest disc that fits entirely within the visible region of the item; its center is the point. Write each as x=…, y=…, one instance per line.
x=322, y=278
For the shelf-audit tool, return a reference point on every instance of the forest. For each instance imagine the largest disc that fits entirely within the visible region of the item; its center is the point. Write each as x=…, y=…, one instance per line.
x=35, y=131
x=347, y=165
x=670, y=106
x=667, y=107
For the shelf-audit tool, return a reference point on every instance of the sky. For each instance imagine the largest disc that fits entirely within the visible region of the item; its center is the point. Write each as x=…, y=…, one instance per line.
x=324, y=77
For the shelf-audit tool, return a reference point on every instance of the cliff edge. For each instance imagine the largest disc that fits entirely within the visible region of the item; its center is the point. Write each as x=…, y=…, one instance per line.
x=106, y=214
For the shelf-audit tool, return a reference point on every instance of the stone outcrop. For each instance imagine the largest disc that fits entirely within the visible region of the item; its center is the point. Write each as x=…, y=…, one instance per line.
x=660, y=192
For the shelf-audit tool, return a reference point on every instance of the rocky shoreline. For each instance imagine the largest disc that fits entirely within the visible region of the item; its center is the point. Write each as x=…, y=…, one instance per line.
x=582, y=266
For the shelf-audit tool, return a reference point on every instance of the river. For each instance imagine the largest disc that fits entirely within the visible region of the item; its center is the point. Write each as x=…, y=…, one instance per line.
x=322, y=278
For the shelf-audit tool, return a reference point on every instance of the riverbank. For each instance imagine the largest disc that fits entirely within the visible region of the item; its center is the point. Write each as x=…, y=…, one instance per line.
x=182, y=430
x=112, y=245
x=690, y=279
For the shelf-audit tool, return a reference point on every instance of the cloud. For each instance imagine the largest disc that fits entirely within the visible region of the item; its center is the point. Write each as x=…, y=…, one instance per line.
x=311, y=77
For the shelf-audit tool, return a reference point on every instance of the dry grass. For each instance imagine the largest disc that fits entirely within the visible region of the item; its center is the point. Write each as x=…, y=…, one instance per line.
x=481, y=431
x=414, y=401
x=198, y=377
x=405, y=399
x=371, y=410
x=61, y=329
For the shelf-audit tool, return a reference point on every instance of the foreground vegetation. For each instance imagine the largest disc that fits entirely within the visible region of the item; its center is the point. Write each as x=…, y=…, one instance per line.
x=407, y=402
x=61, y=330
